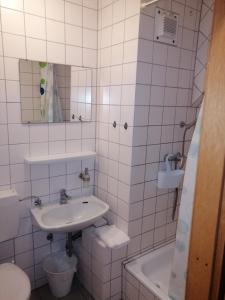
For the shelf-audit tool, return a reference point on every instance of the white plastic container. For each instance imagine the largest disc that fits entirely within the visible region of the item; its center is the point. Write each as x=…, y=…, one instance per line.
x=60, y=270
x=170, y=178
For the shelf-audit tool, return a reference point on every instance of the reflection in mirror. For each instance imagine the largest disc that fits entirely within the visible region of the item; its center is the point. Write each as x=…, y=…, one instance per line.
x=81, y=93
x=54, y=93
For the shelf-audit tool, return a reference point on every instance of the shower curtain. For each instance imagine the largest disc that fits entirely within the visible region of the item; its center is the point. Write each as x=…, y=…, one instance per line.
x=57, y=107
x=51, y=110
x=177, y=285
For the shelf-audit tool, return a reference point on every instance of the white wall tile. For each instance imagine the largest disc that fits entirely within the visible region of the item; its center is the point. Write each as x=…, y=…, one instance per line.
x=18, y=134
x=106, y=16
x=74, y=55
x=160, y=54
x=2, y=71
x=12, y=91
x=13, y=113
x=6, y=249
x=18, y=152
x=19, y=173
x=4, y=155
x=118, y=11
x=55, y=31
x=38, y=133
x=130, y=51
x=158, y=75
x=34, y=7
x=129, y=73
x=57, y=147
x=90, y=18
x=14, y=4
x=55, y=10
x=131, y=28
x=56, y=52
x=3, y=113
x=4, y=175
x=74, y=36
x=117, y=33
x=89, y=39
x=173, y=59
x=91, y=3
x=39, y=148
x=57, y=132
x=36, y=49
x=40, y=187
x=2, y=91
x=31, y=25
x=10, y=18
x=172, y=77
x=9, y=42
x=132, y=8
x=146, y=27
x=23, y=244
x=117, y=54
x=11, y=68
x=73, y=14
x=145, y=50
x=39, y=172
x=89, y=58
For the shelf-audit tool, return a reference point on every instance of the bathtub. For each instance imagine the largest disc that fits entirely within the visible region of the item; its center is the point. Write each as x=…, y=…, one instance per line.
x=153, y=270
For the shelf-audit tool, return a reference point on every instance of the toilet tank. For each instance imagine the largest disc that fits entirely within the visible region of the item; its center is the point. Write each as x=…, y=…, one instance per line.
x=9, y=214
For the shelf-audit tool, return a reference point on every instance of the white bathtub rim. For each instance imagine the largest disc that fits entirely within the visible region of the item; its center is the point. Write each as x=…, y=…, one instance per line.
x=149, y=285
x=136, y=270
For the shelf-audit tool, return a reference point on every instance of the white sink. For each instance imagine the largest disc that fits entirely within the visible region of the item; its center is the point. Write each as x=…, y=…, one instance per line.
x=77, y=214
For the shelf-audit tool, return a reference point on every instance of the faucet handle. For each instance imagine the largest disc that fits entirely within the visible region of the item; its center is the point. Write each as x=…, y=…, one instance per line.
x=64, y=195
x=37, y=202
x=62, y=192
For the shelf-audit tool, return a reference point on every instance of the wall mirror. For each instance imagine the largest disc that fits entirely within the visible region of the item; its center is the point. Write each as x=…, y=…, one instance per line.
x=55, y=93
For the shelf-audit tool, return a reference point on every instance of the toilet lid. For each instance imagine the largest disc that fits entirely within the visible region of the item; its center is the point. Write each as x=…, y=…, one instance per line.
x=14, y=283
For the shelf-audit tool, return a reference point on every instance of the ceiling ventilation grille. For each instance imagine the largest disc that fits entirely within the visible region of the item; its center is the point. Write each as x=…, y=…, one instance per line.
x=166, y=27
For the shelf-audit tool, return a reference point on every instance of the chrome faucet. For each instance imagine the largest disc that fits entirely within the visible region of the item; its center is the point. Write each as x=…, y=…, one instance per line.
x=37, y=202
x=64, y=197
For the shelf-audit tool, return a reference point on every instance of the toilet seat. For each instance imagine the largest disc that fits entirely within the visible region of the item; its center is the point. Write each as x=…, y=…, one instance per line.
x=14, y=283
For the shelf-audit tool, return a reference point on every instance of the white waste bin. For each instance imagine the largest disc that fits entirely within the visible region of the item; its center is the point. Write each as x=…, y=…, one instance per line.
x=60, y=270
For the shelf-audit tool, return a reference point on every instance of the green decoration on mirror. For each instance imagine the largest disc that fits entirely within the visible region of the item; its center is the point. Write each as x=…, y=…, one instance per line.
x=42, y=64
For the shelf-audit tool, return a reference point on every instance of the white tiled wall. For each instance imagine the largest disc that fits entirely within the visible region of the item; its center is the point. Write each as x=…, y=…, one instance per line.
x=100, y=268
x=205, y=29
x=133, y=289
x=147, y=85
x=118, y=46
x=57, y=31
x=162, y=100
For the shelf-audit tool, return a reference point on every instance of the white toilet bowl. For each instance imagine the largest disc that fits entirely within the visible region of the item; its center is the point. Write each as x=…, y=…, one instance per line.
x=14, y=283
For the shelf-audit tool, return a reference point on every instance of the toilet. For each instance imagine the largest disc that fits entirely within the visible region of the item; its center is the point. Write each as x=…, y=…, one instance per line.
x=14, y=282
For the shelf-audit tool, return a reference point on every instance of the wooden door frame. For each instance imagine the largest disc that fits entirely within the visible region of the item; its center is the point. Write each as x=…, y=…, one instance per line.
x=219, y=249
x=210, y=181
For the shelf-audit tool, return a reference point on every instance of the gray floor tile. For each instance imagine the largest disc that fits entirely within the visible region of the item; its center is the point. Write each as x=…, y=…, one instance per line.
x=77, y=293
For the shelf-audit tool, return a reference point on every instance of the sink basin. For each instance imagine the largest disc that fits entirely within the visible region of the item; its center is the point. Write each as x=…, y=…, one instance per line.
x=77, y=214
